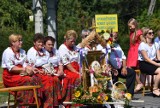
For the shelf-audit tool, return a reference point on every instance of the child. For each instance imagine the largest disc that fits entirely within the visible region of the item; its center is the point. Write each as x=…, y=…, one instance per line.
x=135, y=38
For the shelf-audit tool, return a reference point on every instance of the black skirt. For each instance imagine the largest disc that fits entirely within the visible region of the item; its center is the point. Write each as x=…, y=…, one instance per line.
x=147, y=68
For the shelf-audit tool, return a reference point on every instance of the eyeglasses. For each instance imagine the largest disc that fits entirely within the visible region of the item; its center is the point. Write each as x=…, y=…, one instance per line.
x=20, y=40
x=150, y=33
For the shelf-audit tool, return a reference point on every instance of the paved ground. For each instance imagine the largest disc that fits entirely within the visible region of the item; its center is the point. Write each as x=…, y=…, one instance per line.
x=147, y=101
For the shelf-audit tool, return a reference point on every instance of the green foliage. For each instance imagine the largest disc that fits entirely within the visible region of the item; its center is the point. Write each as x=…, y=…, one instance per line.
x=13, y=14
x=6, y=31
x=15, y=19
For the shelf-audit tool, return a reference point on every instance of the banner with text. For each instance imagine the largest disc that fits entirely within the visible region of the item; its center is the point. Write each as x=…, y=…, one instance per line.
x=106, y=22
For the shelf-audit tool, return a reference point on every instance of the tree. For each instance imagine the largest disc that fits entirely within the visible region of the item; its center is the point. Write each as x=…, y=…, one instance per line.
x=14, y=19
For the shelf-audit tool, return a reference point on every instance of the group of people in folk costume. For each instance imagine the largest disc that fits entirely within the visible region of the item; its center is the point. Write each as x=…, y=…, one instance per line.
x=58, y=71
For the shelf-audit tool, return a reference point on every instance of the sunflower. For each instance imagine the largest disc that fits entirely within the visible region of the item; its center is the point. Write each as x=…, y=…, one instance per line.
x=99, y=100
x=128, y=96
x=106, y=98
x=77, y=94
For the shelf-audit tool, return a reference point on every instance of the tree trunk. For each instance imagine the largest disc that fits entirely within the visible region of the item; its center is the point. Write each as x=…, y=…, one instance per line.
x=151, y=7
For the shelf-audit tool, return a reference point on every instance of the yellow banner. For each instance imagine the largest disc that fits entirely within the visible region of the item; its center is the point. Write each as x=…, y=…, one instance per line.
x=106, y=22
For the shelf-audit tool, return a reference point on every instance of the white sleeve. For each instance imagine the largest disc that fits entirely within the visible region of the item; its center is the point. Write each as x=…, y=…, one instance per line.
x=31, y=57
x=142, y=46
x=64, y=55
x=25, y=59
x=59, y=59
x=8, y=60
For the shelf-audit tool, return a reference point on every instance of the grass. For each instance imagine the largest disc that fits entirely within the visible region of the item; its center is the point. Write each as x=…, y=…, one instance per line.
x=3, y=96
x=1, y=73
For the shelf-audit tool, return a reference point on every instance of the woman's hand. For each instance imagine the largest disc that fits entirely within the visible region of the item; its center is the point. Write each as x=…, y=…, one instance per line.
x=41, y=71
x=158, y=64
x=29, y=70
x=35, y=70
x=60, y=73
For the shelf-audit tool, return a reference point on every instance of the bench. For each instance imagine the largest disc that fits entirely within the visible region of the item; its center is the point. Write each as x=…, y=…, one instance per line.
x=20, y=88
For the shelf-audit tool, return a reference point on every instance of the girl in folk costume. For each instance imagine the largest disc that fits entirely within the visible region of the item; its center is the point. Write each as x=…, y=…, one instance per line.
x=70, y=58
x=149, y=57
x=15, y=70
x=37, y=56
x=135, y=38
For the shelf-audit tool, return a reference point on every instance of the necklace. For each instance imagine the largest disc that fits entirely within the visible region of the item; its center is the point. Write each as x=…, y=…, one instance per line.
x=51, y=53
x=40, y=52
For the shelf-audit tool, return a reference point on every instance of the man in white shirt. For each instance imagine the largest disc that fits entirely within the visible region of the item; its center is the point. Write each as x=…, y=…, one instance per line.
x=118, y=61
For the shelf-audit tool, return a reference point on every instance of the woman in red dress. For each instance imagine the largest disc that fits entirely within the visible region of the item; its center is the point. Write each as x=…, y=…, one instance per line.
x=70, y=58
x=15, y=70
x=132, y=59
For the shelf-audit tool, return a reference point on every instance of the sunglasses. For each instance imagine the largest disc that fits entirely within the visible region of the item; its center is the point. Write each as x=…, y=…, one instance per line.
x=150, y=33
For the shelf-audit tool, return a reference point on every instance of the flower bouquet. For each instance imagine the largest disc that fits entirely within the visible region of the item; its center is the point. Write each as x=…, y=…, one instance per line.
x=119, y=94
x=98, y=92
x=101, y=91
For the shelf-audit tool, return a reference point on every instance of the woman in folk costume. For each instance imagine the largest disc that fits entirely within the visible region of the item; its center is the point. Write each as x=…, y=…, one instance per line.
x=15, y=70
x=55, y=65
x=37, y=57
x=70, y=58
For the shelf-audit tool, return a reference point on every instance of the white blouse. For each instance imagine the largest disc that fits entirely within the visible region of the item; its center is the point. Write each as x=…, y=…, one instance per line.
x=36, y=58
x=68, y=56
x=151, y=50
x=55, y=59
x=10, y=59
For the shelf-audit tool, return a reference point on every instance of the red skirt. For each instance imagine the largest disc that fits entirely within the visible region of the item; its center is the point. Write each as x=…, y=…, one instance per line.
x=13, y=79
x=72, y=75
x=70, y=81
x=51, y=90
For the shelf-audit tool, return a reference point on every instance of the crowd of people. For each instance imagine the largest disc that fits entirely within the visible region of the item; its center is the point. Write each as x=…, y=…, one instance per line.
x=58, y=70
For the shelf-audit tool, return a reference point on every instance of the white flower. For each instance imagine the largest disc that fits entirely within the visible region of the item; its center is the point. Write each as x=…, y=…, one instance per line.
x=106, y=36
